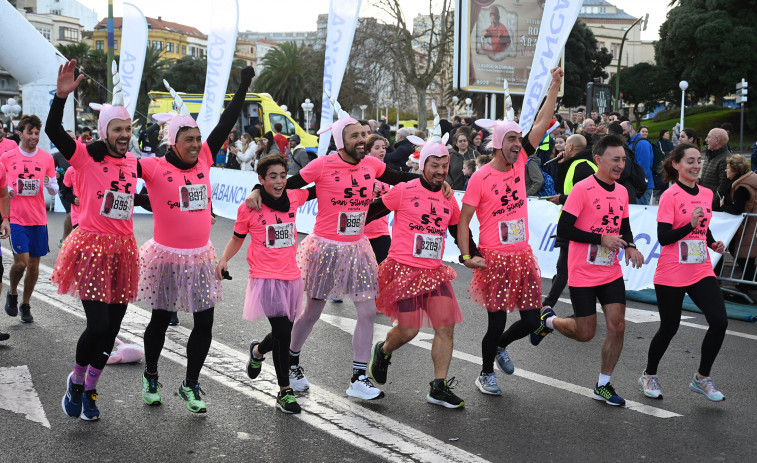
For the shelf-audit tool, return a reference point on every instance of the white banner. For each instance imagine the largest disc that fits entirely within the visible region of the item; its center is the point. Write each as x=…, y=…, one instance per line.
x=132, y=59
x=222, y=42
x=341, y=30
x=556, y=24
x=229, y=188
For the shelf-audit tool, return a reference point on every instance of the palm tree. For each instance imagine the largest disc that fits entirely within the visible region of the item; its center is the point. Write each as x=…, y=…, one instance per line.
x=285, y=75
x=152, y=77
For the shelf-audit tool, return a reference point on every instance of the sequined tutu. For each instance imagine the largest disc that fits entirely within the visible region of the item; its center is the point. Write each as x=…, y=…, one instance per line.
x=268, y=297
x=511, y=280
x=334, y=269
x=98, y=267
x=417, y=297
x=175, y=279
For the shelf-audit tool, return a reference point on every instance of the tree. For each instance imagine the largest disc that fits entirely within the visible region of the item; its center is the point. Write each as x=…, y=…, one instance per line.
x=187, y=74
x=91, y=63
x=286, y=75
x=583, y=62
x=645, y=84
x=152, y=79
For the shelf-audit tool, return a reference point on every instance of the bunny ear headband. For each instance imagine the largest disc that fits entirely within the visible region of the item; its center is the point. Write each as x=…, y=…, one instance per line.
x=176, y=121
x=115, y=110
x=337, y=128
x=501, y=128
x=436, y=144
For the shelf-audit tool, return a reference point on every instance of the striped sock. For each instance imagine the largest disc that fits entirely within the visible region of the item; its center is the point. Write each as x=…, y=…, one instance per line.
x=294, y=358
x=358, y=369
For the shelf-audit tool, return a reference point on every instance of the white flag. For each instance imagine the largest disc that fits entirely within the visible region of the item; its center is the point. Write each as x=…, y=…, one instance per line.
x=133, y=50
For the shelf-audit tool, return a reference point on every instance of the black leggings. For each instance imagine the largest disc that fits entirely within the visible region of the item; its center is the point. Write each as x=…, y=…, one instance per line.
x=277, y=341
x=103, y=324
x=496, y=336
x=380, y=246
x=198, y=344
x=706, y=295
x=560, y=279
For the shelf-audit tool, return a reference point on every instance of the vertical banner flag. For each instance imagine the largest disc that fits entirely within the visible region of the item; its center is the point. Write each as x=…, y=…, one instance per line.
x=222, y=41
x=556, y=24
x=133, y=50
x=341, y=30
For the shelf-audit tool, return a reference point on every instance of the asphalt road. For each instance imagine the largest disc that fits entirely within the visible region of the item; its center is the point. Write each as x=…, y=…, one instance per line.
x=545, y=413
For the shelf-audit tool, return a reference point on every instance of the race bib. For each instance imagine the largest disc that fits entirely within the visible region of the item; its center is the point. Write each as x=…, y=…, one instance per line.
x=692, y=252
x=512, y=231
x=279, y=235
x=27, y=186
x=427, y=246
x=600, y=255
x=193, y=197
x=117, y=205
x=351, y=223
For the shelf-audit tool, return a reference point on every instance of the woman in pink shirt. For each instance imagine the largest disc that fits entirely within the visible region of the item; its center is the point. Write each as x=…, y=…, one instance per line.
x=377, y=231
x=684, y=267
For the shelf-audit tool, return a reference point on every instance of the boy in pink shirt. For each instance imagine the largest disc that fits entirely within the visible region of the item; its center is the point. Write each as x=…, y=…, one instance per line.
x=595, y=220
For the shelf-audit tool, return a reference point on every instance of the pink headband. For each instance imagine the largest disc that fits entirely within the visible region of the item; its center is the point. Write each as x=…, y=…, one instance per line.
x=337, y=130
x=436, y=144
x=501, y=128
x=107, y=114
x=176, y=121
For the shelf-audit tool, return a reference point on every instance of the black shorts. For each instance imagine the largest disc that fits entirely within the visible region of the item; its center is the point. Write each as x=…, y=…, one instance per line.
x=584, y=298
x=66, y=205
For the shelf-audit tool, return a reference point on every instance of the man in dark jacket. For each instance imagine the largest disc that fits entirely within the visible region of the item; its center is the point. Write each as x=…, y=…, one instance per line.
x=402, y=150
x=713, y=165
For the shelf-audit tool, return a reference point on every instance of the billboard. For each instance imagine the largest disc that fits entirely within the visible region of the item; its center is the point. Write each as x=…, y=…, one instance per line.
x=598, y=97
x=495, y=40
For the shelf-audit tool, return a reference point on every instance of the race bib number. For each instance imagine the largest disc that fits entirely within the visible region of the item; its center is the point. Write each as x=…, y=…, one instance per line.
x=512, y=231
x=600, y=255
x=427, y=246
x=27, y=186
x=117, y=205
x=692, y=252
x=351, y=223
x=279, y=235
x=193, y=197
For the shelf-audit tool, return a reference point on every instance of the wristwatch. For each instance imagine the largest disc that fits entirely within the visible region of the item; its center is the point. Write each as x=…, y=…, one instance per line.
x=631, y=245
x=463, y=258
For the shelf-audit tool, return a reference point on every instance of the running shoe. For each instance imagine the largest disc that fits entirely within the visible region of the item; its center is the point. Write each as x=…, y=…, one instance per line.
x=338, y=300
x=60, y=243
x=650, y=386
x=287, y=402
x=26, y=313
x=608, y=394
x=707, y=388
x=4, y=336
x=542, y=330
x=254, y=365
x=363, y=388
x=379, y=363
x=72, y=398
x=444, y=396
x=174, y=319
x=487, y=383
x=297, y=378
x=11, y=304
x=504, y=363
x=151, y=389
x=192, y=396
x=89, y=410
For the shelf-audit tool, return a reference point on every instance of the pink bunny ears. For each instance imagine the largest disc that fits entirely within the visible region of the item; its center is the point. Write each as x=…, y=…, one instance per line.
x=176, y=121
x=115, y=110
x=436, y=144
x=337, y=128
x=501, y=128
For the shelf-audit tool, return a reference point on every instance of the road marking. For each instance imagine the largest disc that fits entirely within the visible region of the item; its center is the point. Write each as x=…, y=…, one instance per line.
x=17, y=394
x=424, y=340
x=334, y=414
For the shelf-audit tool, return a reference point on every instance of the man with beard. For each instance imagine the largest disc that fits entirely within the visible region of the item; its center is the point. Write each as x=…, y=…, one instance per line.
x=29, y=169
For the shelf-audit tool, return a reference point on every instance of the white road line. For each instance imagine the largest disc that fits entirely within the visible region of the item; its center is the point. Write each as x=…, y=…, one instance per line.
x=348, y=325
x=336, y=415
x=17, y=394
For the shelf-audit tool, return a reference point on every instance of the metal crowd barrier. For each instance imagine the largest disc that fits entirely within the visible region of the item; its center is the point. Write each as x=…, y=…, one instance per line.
x=738, y=263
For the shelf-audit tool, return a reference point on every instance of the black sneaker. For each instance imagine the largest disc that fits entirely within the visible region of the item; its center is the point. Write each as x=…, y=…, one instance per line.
x=254, y=364
x=26, y=313
x=287, y=402
x=11, y=304
x=443, y=395
x=4, y=336
x=379, y=363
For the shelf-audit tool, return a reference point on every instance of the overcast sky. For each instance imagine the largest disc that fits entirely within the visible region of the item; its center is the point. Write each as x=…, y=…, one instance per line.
x=301, y=15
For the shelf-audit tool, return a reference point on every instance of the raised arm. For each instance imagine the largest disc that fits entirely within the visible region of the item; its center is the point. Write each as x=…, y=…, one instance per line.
x=54, y=126
x=541, y=123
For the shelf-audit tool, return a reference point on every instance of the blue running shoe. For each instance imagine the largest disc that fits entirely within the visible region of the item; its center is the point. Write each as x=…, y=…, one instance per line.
x=11, y=304
x=607, y=393
x=707, y=388
x=542, y=330
x=89, y=410
x=72, y=402
x=504, y=362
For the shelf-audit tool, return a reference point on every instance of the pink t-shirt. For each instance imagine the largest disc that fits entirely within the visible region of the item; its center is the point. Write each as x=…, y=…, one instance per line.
x=597, y=211
x=501, y=207
x=180, y=200
x=26, y=175
x=3, y=176
x=420, y=224
x=106, y=190
x=272, y=253
x=70, y=180
x=6, y=144
x=686, y=261
x=378, y=227
x=344, y=193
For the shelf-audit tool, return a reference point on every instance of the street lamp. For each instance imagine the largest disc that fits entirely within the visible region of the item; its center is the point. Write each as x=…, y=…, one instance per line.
x=468, y=102
x=683, y=85
x=455, y=99
x=11, y=109
x=620, y=55
x=307, y=107
x=362, y=110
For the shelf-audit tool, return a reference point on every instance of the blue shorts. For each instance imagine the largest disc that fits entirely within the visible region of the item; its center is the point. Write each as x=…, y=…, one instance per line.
x=29, y=238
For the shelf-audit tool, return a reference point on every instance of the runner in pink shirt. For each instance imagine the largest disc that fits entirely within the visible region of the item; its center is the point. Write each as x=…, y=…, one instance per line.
x=509, y=276
x=29, y=169
x=70, y=180
x=377, y=231
x=177, y=266
x=4, y=226
x=6, y=144
x=274, y=287
x=684, y=267
x=595, y=220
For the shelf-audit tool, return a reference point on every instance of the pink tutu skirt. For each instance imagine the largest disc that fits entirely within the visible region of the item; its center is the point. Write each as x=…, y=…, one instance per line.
x=175, y=279
x=267, y=297
x=333, y=269
x=417, y=297
x=511, y=280
x=98, y=267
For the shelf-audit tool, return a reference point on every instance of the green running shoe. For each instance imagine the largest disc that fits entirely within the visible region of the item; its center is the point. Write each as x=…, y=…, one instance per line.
x=254, y=364
x=151, y=389
x=443, y=395
x=192, y=396
x=287, y=402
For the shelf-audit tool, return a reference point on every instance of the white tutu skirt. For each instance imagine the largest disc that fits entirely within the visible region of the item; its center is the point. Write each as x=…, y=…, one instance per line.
x=267, y=297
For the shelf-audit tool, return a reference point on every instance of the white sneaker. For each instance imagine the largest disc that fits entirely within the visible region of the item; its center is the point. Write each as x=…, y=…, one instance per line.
x=650, y=386
x=364, y=389
x=297, y=379
x=707, y=388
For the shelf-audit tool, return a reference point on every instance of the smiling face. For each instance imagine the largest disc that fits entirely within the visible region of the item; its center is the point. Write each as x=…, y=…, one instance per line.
x=689, y=166
x=435, y=170
x=559, y=144
x=119, y=136
x=612, y=162
x=188, y=145
x=511, y=147
x=275, y=180
x=30, y=138
x=354, y=141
